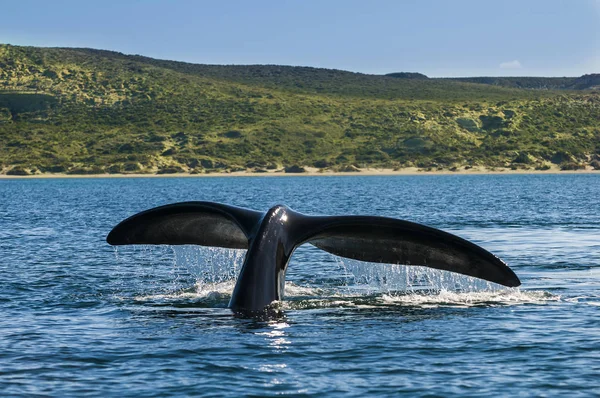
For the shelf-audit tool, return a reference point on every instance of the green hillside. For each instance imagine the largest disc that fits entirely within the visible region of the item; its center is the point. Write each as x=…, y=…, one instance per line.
x=90, y=111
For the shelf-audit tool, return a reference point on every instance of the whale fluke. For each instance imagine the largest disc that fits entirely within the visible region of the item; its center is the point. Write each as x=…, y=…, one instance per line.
x=188, y=223
x=392, y=241
x=272, y=237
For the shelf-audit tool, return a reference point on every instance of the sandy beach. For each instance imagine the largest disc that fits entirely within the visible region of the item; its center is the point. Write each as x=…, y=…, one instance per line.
x=312, y=172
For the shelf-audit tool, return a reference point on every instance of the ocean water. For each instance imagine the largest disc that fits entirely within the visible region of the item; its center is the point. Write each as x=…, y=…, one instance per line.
x=78, y=317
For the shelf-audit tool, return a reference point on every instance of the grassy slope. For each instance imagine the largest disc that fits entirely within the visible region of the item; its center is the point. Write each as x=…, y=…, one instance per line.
x=90, y=111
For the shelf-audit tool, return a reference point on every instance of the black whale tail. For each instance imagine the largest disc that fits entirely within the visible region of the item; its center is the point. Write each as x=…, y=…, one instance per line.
x=272, y=237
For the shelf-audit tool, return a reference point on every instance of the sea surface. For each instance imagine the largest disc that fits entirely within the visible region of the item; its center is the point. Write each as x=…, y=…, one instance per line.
x=78, y=317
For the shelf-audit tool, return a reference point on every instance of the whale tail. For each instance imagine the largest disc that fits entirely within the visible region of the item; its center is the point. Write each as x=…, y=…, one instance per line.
x=365, y=238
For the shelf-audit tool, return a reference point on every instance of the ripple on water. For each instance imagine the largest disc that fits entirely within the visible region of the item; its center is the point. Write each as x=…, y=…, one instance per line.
x=151, y=321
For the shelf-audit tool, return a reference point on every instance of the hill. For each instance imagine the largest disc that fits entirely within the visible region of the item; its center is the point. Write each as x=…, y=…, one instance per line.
x=93, y=111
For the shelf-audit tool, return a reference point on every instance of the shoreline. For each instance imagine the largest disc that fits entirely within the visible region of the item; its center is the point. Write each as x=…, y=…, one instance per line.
x=413, y=171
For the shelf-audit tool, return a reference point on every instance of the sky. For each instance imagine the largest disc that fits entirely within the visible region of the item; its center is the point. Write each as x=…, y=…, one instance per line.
x=440, y=38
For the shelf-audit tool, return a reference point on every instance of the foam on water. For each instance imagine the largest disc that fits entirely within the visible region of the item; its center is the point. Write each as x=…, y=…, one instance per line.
x=511, y=296
x=440, y=298
x=201, y=291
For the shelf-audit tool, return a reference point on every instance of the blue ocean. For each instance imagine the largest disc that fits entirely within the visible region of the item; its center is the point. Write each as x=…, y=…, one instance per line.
x=79, y=317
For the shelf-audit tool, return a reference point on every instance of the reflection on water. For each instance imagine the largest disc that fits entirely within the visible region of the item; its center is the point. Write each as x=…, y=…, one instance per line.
x=275, y=337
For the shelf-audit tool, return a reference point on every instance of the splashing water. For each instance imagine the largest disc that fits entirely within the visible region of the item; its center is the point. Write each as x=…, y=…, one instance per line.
x=390, y=278
x=209, y=265
x=205, y=276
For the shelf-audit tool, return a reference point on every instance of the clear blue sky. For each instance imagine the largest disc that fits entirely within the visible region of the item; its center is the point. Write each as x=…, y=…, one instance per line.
x=435, y=37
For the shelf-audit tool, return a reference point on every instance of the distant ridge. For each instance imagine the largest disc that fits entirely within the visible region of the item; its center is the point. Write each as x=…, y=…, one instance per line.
x=585, y=82
x=407, y=75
